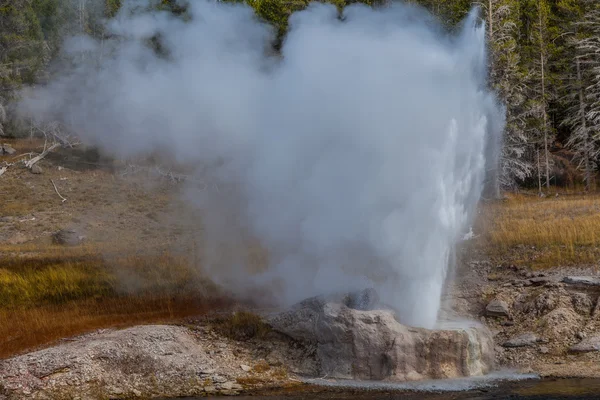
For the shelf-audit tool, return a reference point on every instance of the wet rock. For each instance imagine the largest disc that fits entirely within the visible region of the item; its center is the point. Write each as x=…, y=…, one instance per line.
x=373, y=345
x=36, y=169
x=587, y=345
x=523, y=340
x=582, y=280
x=67, y=237
x=365, y=300
x=497, y=308
x=6, y=149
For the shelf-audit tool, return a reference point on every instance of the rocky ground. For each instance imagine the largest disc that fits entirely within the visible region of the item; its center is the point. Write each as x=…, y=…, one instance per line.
x=153, y=361
x=542, y=321
x=333, y=337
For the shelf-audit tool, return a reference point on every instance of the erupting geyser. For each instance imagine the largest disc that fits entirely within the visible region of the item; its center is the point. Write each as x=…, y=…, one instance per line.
x=357, y=157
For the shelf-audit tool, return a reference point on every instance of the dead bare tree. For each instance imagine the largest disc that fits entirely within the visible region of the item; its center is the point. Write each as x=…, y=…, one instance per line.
x=54, y=136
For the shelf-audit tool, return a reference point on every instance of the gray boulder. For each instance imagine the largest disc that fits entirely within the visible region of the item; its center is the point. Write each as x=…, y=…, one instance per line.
x=582, y=280
x=586, y=345
x=497, y=308
x=6, y=149
x=372, y=345
x=67, y=237
x=523, y=340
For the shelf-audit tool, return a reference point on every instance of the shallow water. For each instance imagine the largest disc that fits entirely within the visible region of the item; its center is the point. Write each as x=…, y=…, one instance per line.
x=494, y=387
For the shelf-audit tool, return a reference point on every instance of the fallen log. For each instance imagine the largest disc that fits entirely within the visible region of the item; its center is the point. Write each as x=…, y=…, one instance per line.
x=34, y=160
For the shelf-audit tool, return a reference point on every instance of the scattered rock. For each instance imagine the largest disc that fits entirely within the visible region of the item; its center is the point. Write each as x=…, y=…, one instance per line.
x=547, y=301
x=209, y=371
x=587, y=345
x=523, y=340
x=580, y=335
x=582, y=280
x=246, y=368
x=358, y=344
x=7, y=149
x=210, y=389
x=67, y=237
x=540, y=281
x=497, y=308
x=507, y=323
x=544, y=350
x=560, y=323
x=229, y=385
x=581, y=303
x=36, y=169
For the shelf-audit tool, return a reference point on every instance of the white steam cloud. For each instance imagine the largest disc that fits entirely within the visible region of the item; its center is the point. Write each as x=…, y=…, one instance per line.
x=357, y=155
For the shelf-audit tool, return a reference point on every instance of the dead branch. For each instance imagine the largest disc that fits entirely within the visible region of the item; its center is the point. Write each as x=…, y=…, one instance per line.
x=22, y=155
x=34, y=160
x=4, y=168
x=53, y=130
x=56, y=190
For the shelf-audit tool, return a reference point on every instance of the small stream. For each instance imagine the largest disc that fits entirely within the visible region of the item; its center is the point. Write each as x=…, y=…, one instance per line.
x=492, y=387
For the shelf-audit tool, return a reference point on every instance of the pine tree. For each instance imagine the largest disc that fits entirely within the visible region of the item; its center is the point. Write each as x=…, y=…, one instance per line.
x=537, y=48
x=581, y=88
x=507, y=78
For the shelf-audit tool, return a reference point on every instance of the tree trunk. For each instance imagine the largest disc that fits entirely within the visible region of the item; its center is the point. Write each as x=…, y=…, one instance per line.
x=585, y=138
x=539, y=174
x=490, y=19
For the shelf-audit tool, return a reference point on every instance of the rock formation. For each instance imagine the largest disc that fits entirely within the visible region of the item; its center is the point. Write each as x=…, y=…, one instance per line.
x=370, y=344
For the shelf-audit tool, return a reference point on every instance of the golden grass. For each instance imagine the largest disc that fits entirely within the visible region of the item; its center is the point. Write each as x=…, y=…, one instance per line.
x=242, y=325
x=542, y=232
x=25, y=328
x=50, y=292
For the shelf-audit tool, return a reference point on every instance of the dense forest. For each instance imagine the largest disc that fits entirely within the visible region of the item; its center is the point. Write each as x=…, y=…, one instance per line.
x=544, y=63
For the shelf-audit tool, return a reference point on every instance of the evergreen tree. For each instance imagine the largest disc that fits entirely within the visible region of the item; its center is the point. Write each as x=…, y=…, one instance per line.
x=582, y=88
x=507, y=77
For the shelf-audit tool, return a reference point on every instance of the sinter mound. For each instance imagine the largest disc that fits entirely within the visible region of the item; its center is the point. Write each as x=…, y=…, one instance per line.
x=368, y=343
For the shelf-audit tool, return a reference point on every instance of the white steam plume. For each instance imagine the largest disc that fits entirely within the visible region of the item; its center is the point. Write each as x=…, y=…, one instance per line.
x=357, y=157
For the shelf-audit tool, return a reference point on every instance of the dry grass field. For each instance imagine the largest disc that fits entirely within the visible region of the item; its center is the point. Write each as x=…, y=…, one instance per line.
x=141, y=260
x=542, y=232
